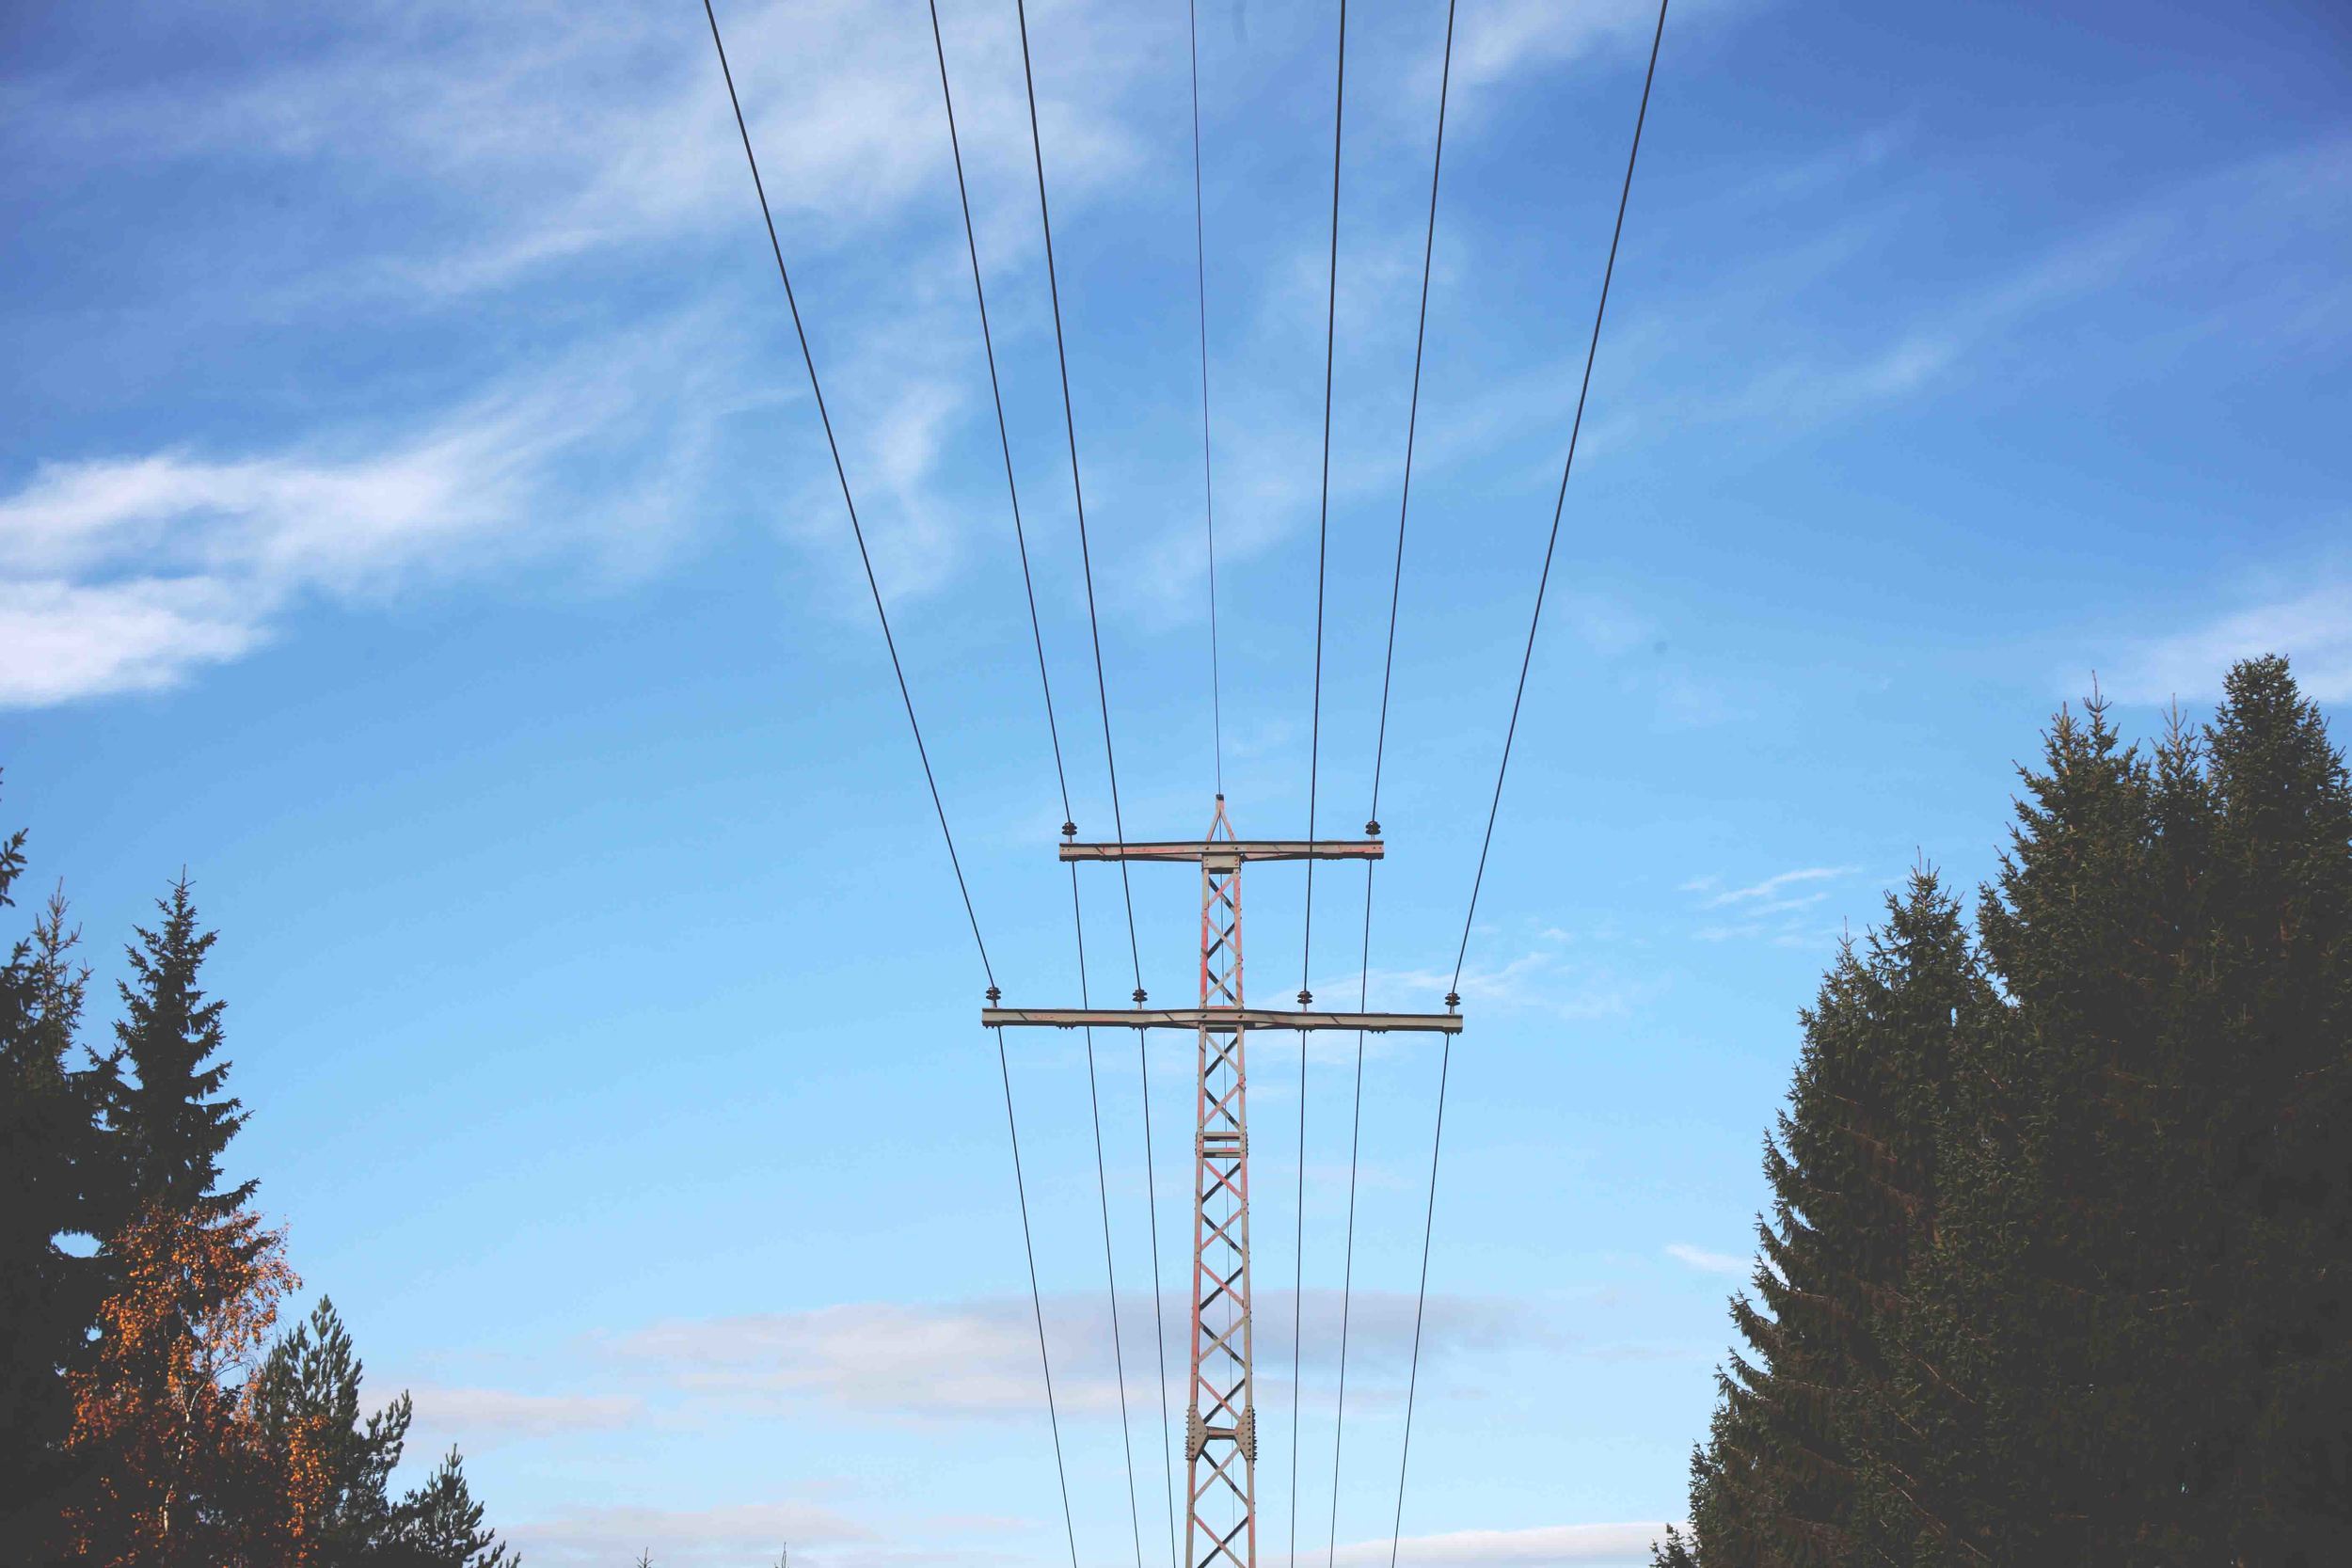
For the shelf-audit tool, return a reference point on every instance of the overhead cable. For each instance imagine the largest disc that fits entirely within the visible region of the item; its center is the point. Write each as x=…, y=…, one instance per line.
x=857, y=530
x=1208, y=486
x=1111, y=756
x=1542, y=582
x=1037, y=635
x=1379, y=750
x=1314, y=749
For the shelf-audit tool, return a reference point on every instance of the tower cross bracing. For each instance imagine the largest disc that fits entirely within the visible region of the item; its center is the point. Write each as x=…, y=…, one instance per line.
x=1220, y=1413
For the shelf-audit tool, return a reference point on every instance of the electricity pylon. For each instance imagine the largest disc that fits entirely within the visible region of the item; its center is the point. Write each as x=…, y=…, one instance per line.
x=1220, y=1417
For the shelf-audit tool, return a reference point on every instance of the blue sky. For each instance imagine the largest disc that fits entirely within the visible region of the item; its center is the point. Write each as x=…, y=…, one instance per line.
x=413, y=521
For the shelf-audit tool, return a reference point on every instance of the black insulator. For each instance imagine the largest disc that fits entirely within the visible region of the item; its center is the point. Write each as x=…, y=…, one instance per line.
x=1069, y=830
x=1373, y=827
x=1305, y=998
x=1453, y=1000
x=994, y=996
x=1139, y=996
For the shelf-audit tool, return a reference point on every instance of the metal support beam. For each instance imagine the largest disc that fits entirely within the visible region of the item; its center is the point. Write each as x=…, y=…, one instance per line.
x=1216, y=1018
x=1230, y=851
x=1221, y=1416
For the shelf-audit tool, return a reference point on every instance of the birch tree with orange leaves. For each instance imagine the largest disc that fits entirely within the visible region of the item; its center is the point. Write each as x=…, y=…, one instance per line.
x=173, y=1471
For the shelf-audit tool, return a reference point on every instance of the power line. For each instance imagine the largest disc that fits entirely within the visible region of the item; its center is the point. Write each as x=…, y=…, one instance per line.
x=1102, y=1192
x=775, y=245
x=1216, y=680
x=1314, y=749
x=841, y=474
x=1420, y=1297
x=1576, y=428
x=1208, y=487
x=1437, y=1140
x=1036, y=1301
x=1159, y=1319
x=1379, y=750
x=1078, y=490
x=1004, y=439
x=1110, y=757
x=1102, y=1180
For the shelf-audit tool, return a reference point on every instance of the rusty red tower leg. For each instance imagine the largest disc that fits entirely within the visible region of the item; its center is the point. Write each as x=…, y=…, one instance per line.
x=1221, y=1418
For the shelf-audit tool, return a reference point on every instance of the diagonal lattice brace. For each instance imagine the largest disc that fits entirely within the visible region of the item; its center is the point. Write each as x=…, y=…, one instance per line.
x=1220, y=1417
x=1220, y=1414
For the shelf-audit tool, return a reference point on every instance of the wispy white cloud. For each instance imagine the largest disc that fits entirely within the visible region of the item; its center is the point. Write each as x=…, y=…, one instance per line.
x=956, y=1361
x=130, y=573
x=2313, y=627
x=1792, y=935
x=1833, y=166
x=742, y=1533
x=1514, y=37
x=478, y=1418
x=538, y=144
x=1608, y=623
x=1545, y=1547
x=1544, y=979
x=134, y=572
x=2198, y=244
x=1767, y=891
x=1706, y=1262
x=59, y=641
x=534, y=148
x=731, y=1535
x=293, y=518
x=1781, y=910
x=878, y=1357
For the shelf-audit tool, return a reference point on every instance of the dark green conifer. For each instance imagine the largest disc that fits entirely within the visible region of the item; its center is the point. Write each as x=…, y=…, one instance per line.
x=441, y=1525
x=174, y=1118
x=2276, y=1088
x=2171, y=936
x=2118, y=1329
x=50, y=1146
x=306, y=1394
x=2054, y=1278
x=1801, y=1457
x=304, y=1402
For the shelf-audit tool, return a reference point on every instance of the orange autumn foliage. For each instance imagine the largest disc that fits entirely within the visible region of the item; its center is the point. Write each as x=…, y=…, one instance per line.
x=306, y=1489
x=176, y=1476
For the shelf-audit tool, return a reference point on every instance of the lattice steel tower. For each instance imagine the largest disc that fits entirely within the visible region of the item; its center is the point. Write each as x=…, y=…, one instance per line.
x=1220, y=1417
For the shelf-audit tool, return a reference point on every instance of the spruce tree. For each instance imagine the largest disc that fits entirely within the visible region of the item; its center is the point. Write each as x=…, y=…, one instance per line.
x=2141, y=1233
x=174, y=1118
x=1784, y=1471
x=2106, y=1307
x=50, y=1151
x=1932, y=1010
x=2052, y=1278
x=2277, y=1085
x=1801, y=1460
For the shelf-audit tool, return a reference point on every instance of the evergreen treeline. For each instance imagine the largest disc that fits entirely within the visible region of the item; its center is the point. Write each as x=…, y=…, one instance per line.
x=2060, y=1264
x=148, y=1418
